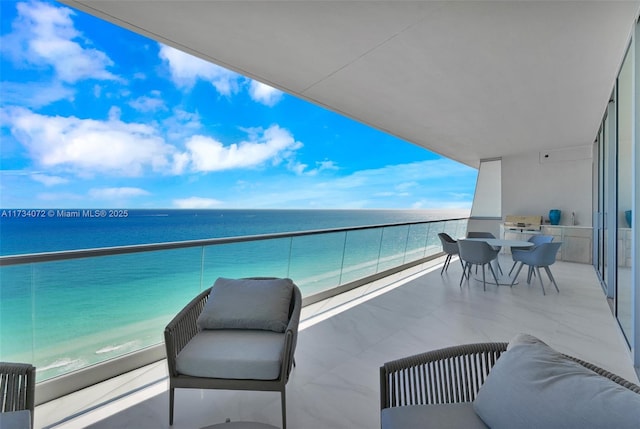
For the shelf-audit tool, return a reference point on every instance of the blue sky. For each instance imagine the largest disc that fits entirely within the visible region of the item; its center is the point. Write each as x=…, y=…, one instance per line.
x=95, y=116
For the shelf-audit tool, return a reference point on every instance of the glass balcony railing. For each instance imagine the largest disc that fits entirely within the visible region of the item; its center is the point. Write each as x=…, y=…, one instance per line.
x=64, y=311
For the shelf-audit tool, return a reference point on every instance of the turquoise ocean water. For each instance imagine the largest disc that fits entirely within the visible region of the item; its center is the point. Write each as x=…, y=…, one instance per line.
x=66, y=315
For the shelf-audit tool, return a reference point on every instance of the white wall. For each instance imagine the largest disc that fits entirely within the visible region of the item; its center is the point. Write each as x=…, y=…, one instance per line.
x=533, y=183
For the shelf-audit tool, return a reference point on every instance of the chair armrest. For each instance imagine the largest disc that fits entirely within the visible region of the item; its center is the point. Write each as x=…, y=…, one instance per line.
x=449, y=375
x=183, y=328
x=291, y=334
x=604, y=373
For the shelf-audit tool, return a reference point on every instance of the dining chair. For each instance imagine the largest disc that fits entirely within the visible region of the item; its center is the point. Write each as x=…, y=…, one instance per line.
x=517, y=251
x=480, y=234
x=477, y=253
x=542, y=256
x=450, y=247
x=483, y=234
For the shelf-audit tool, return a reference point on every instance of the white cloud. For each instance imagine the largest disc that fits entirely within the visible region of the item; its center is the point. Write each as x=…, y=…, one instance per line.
x=402, y=174
x=433, y=184
x=196, y=203
x=48, y=180
x=149, y=104
x=180, y=163
x=272, y=144
x=297, y=167
x=186, y=70
x=322, y=166
x=35, y=94
x=88, y=146
x=181, y=125
x=450, y=208
x=189, y=119
x=404, y=186
x=327, y=165
x=264, y=94
x=301, y=169
x=44, y=35
x=116, y=193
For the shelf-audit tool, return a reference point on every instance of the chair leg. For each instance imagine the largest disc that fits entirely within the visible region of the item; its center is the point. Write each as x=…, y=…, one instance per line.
x=530, y=274
x=541, y=284
x=446, y=264
x=513, y=266
x=516, y=275
x=464, y=270
x=551, y=278
x=171, y=398
x=494, y=274
x=484, y=283
x=284, y=410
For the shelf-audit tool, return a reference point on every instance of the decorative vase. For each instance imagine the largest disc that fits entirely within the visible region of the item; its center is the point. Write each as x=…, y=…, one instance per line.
x=627, y=216
x=554, y=216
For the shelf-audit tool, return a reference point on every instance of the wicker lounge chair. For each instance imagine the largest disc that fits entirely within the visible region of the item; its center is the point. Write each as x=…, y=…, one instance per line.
x=17, y=393
x=450, y=377
x=213, y=365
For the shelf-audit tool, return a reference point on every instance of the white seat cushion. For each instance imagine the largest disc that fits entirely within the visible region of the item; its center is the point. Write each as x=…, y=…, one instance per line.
x=233, y=353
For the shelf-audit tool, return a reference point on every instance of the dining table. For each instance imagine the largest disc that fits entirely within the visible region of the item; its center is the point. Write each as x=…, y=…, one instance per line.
x=502, y=277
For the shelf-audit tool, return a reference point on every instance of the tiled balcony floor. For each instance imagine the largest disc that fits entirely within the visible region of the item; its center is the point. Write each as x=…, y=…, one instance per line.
x=335, y=384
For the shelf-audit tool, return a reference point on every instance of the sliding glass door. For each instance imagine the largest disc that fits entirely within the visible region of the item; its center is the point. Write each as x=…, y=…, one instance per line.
x=624, y=195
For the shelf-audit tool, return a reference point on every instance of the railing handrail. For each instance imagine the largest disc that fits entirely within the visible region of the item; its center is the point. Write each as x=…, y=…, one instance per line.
x=61, y=255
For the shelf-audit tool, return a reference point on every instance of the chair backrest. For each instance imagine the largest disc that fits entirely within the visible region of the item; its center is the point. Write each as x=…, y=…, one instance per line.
x=540, y=239
x=444, y=237
x=542, y=255
x=449, y=245
x=479, y=234
x=476, y=252
x=17, y=387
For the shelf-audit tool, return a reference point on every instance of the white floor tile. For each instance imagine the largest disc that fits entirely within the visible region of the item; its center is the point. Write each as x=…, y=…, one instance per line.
x=335, y=384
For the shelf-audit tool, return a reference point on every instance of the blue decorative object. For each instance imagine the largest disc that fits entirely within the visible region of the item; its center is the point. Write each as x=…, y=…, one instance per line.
x=627, y=216
x=554, y=216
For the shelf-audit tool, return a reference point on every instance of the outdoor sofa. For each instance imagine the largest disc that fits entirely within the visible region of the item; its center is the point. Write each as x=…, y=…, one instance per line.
x=521, y=384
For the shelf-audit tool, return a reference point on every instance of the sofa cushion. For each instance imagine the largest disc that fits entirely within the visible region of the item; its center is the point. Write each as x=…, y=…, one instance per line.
x=249, y=354
x=247, y=304
x=443, y=416
x=521, y=339
x=534, y=386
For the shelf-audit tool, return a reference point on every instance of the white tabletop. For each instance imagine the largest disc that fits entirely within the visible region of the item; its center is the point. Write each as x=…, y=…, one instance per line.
x=502, y=242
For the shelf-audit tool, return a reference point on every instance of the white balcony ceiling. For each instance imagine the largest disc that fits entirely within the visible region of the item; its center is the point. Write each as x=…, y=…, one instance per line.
x=466, y=79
